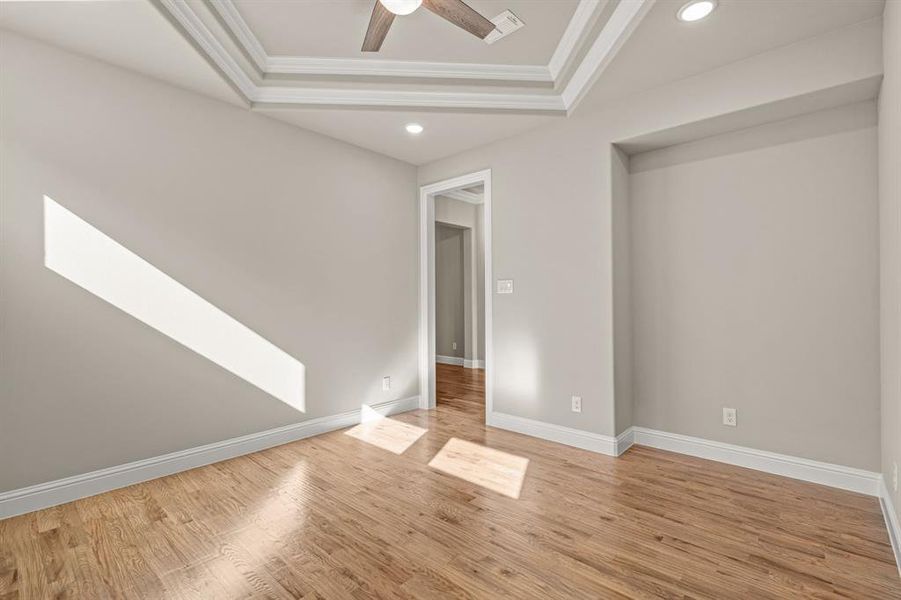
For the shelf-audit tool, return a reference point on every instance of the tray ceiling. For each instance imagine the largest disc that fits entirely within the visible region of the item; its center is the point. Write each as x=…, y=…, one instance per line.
x=576, y=38
x=370, y=106
x=330, y=29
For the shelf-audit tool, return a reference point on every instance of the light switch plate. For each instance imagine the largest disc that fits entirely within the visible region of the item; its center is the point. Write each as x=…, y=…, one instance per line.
x=386, y=384
x=504, y=286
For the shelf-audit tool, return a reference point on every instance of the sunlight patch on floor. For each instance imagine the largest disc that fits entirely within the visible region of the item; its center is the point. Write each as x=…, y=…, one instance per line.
x=489, y=468
x=387, y=434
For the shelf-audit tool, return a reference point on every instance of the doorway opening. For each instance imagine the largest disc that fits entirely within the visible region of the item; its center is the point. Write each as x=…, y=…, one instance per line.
x=455, y=293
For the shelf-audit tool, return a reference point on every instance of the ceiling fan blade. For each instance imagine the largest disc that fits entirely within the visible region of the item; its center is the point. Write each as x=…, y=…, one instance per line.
x=460, y=14
x=379, y=23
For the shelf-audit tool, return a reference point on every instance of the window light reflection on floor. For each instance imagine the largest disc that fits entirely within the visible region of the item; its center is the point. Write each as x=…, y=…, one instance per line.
x=486, y=467
x=388, y=434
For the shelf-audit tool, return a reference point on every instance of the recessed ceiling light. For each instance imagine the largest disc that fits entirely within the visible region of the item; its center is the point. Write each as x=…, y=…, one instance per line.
x=414, y=128
x=696, y=10
x=401, y=7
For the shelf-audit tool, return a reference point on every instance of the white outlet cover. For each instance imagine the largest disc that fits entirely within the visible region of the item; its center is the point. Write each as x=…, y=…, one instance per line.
x=730, y=417
x=504, y=286
x=386, y=384
x=577, y=404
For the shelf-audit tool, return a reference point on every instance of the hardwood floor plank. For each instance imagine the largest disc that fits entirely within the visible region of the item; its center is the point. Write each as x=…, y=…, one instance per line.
x=340, y=516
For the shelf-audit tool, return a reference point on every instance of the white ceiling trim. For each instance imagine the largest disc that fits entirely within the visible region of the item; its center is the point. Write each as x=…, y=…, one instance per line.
x=242, y=32
x=306, y=65
x=349, y=97
x=210, y=44
x=567, y=45
x=303, y=65
x=625, y=18
x=623, y=21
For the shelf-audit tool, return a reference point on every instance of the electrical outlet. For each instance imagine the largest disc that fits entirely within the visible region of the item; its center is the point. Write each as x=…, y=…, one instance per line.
x=455, y=345
x=894, y=477
x=577, y=404
x=730, y=417
x=386, y=384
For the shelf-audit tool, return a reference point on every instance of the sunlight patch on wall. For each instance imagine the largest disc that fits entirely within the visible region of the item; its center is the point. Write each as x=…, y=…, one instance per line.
x=89, y=258
x=486, y=467
x=388, y=434
x=519, y=378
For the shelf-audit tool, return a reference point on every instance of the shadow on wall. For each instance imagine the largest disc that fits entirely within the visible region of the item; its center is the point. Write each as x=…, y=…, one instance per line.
x=92, y=260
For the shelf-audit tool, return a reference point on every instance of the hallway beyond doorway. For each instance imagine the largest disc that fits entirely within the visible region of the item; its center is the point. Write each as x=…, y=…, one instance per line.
x=461, y=388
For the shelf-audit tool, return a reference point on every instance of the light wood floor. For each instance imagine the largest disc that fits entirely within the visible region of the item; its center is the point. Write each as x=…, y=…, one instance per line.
x=338, y=517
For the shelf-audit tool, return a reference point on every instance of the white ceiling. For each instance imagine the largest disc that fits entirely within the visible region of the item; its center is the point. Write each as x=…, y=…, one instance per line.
x=383, y=130
x=330, y=28
x=663, y=49
x=135, y=35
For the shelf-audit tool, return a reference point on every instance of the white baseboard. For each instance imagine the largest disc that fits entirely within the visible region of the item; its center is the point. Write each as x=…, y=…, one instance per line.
x=586, y=440
x=449, y=360
x=45, y=495
x=625, y=440
x=891, y=520
x=460, y=362
x=837, y=476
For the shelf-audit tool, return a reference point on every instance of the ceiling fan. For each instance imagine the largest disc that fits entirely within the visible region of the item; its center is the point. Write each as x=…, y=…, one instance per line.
x=455, y=11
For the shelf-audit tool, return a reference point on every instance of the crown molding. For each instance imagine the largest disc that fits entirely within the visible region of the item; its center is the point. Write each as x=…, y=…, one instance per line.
x=242, y=32
x=624, y=19
x=306, y=65
x=206, y=40
x=387, y=98
x=303, y=65
x=578, y=25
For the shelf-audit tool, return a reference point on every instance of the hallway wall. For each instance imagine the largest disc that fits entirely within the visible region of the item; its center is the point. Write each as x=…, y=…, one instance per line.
x=449, y=317
x=470, y=217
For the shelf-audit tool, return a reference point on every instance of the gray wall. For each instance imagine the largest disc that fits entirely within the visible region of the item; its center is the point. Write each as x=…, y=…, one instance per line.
x=622, y=290
x=480, y=276
x=470, y=217
x=890, y=239
x=449, y=318
x=755, y=286
x=552, y=215
x=310, y=242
